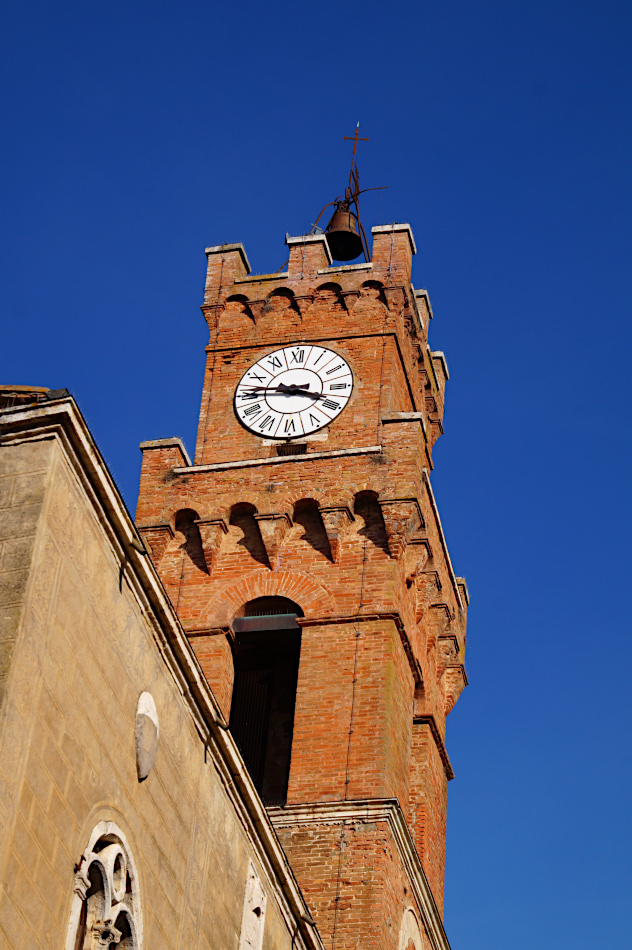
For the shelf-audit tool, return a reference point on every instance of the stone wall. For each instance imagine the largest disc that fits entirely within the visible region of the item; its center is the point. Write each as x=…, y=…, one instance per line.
x=82, y=648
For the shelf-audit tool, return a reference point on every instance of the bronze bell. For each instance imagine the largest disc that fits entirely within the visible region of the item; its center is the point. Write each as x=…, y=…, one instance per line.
x=343, y=239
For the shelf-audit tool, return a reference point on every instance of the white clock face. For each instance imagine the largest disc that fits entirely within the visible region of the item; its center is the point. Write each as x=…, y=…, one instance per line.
x=293, y=391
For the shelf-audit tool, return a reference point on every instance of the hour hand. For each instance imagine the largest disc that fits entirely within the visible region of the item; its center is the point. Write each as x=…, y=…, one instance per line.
x=282, y=388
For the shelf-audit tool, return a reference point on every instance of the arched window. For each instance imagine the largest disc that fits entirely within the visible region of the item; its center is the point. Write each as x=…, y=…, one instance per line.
x=105, y=913
x=267, y=651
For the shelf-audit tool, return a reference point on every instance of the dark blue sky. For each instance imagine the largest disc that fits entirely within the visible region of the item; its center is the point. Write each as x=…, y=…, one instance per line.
x=135, y=134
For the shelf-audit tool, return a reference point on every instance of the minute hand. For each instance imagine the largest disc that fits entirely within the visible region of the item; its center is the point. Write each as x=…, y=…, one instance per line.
x=286, y=390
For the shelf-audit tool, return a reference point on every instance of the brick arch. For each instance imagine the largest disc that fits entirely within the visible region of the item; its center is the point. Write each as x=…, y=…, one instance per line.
x=299, y=494
x=314, y=599
x=282, y=292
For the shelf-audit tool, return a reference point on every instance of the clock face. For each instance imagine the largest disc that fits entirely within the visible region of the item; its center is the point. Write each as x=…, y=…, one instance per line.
x=293, y=391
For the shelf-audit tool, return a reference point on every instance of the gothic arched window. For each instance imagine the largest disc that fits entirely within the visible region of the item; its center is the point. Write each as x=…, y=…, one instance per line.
x=105, y=913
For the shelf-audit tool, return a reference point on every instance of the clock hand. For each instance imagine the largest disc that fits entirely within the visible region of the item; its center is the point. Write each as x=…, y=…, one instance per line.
x=292, y=390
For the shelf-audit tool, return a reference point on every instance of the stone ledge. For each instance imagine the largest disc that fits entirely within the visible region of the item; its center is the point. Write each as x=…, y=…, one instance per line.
x=278, y=460
x=405, y=417
x=366, y=265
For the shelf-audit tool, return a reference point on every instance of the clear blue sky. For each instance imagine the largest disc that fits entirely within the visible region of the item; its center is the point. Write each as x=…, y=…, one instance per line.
x=135, y=134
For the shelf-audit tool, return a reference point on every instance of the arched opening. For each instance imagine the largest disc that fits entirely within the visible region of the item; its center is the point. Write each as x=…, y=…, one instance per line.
x=267, y=651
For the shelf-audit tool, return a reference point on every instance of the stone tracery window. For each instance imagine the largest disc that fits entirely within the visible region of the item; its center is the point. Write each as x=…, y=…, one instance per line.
x=105, y=913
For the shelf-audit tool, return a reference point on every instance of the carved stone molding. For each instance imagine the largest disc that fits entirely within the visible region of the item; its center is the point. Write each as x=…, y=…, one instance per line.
x=273, y=531
x=106, y=904
x=211, y=532
x=336, y=521
x=402, y=517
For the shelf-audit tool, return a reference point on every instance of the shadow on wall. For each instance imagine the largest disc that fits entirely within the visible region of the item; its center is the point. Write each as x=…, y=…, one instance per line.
x=186, y=524
x=307, y=514
x=367, y=508
x=242, y=516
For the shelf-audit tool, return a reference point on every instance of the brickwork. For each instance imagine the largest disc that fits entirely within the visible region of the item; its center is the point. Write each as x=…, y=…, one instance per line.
x=83, y=646
x=383, y=631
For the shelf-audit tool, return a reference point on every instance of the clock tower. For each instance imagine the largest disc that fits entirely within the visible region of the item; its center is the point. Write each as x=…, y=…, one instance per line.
x=303, y=551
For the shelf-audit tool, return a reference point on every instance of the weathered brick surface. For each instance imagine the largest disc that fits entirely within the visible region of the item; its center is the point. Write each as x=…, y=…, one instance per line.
x=351, y=743
x=383, y=637
x=353, y=879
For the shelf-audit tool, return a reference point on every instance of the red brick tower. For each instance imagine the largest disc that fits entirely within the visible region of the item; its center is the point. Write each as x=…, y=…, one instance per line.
x=304, y=554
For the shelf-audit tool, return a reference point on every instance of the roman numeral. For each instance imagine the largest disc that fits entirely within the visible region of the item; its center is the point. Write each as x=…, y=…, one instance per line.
x=330, y=371
x=261, y=379
x=289, y=426
x=314, y=420
x=319, y=358
x=338, y=385
x=251, y=410
x=276, y=362
x=266, y=423
x=298, y=356
x=254, y=395
x=330, y=404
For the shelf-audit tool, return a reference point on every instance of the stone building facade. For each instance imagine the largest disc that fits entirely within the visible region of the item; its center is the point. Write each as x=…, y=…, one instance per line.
x=223, y=726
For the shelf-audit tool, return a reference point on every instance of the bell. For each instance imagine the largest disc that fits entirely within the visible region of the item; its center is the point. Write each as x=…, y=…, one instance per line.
x=342, y=236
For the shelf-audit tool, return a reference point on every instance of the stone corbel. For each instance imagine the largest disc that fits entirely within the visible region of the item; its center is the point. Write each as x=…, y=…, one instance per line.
x=417, y=555
x=427, y=586
x=350, y=298
x=454, y=682
x=273, y=531
x=303, y=303
x=395, y=298
x=402, y=517
x=156, y=537
x=447, y=651
x=212, y=533
x=336, y=521
x=212, y=313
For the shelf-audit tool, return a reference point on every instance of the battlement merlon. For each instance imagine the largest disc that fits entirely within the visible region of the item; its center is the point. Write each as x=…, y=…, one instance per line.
x=310, y=260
